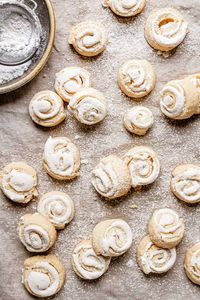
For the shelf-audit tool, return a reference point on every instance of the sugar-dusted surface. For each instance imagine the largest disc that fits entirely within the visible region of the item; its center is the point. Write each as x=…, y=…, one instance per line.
x=175, y=142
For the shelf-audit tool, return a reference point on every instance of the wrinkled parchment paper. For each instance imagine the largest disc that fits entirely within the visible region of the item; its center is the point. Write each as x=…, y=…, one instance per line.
x=175, y=143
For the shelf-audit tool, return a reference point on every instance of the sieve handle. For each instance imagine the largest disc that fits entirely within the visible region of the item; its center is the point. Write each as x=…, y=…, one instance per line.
x=30, y=3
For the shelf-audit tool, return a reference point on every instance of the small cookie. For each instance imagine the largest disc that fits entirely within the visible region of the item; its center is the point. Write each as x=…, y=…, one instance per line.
x=70, y=80
x=111, y=177
x=125, y=8
x=153, y=259
x=86, y=263
x=180, y=98
x=165, y=29
x=47, y=109
x=112, y=238
x=136, y=78
x=88, y=106
x=88, y=38
x=36, y=232
x=138, y=120
x=143, y=165
x=185, y=183
x=61, y=158
x=18, y=182
x=166, y=228
x=43, y=276
x=192, y=263
x=57, y=207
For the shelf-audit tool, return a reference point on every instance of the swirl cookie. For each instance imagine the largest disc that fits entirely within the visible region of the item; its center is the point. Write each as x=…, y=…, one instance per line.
x=166, y=228
x=47, y=109
x=165, y=29
x=111, y=177
x=43, y=276
x=86, y=263
x=61, y=158
x=185, y=183
x=88, y=106
x=36, y=232
x=125, y=8
x=136, y=78
x=153, y=259
x=192, y=263
x=138, y=120
x=180, y=98
x=143, y=165
x=88, y=38
x=57, y=207
x=112, y=238
x=18, y=182
x=70, y=80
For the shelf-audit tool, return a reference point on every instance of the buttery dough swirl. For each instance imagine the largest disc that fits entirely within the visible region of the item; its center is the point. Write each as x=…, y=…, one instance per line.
x=185, y=183
x=70, y=80
x=86, y=263
x=57, y=207
x=43, y=276
x=138, y=120
x=111, y=177
x=36, y=233
x=88, y=38
x=136, y=78
x=192, y=263
x=88, y=106
x=153, y=259
x=165, y=29
x=143, y=164
x=112, y=238
x=18, y=182
x=47, y=109
x=61, y=158
x=125, y=8
x=166, y=228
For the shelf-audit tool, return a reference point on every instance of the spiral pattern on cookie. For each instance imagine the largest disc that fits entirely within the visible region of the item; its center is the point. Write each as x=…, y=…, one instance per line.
x=136, y=78
x=172, y=99
x=47, y=109
x=138, y=120
x=18, y=182
x=61, y=158
x=165, y=29
x=88, y=38
x=86, y=263
x=125, y=8
x=143, y=164
x=192, y=263
x=70, y=80
x=58, y=207
x=112, y=237
x=153, y=259
x=88, y=106
x=185, y=183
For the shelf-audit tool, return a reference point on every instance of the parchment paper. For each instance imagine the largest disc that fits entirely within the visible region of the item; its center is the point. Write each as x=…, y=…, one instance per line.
x=175, y=143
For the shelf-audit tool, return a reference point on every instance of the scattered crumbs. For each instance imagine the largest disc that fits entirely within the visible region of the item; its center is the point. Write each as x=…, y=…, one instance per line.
x=134, y=206
x=84, y=162
x=77, y=137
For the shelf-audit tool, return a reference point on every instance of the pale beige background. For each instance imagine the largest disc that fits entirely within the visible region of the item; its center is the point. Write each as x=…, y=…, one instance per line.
x=175, y=142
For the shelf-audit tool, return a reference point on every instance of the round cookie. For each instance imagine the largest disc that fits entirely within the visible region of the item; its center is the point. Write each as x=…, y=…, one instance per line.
x=112, y=238
x=153, y=259
x=46, y=109
x=88, y=106
x=111, y=177
x=125, y=8
x=86, y=263
x=57, y=207
x=136, y=78
x=36, y=233
x=18, y=182
x=43, y=276
x=192, y=263
x=166, y=228
x=88, y=38
x=61, y=158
